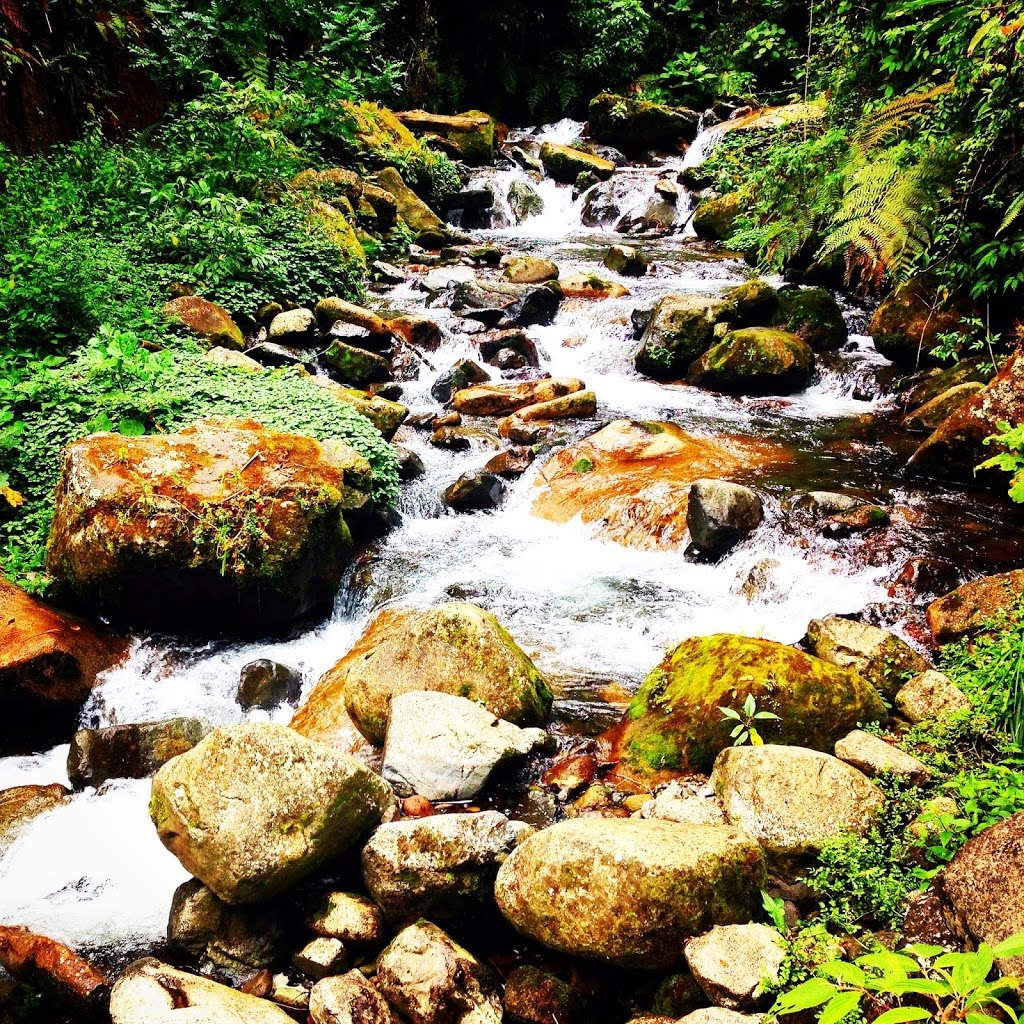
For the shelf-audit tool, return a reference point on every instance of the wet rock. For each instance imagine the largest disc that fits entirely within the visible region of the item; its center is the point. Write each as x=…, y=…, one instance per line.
x=590, y=286
x=721, y=514
x=874, y=757
x=813, y=315
x=933, y=414
x=565, y=164
x=152, y=992
x=268, y=354
x=680, y=330
x=348, y=917
x=862, y=519
x=417, y=331
x=881, y=657
x=453, y=439
x=579, y=405
x=907, y=325
x=635, y=125
x=129, y=751
x=139, y=522
x=503, y=399
x=827, y=503
x=293, y=327
x=674, y=723
x=627, y=261
x=930, y=384
x=254, y=808
x=512, y=462
x=755, y=361
x=410, y=465
x=736, y=965
x=966, y=610
x=321, y=957
x=356, y=366
x=266, y=684
x=631, y=480
x=464, y=374
x=348, y=999
x=470, y=201
x=923, y=578
x=571, y=774
x=930, y=695
x=420, y=217
x=447, y=278
x=928, y=920
x=206, y=319
x=432, y=980
x=648, y=886
x=232, y=357
x=59, y=972
x=672, y=804
x=751, y=303
x=668, y=190
x=503, y=304
x=441, y=867
x=715, y=219
x=530, y=270
x=386, y=273
x=492, y=343
x=524, y=201
x=475, y=491
x=659, y=216
x=21, y=805
x=454, y=648
x=677, y=995
x=417, y=807
x=792, y=800
x=445, y=747
x=533, y=996
x=333, y=310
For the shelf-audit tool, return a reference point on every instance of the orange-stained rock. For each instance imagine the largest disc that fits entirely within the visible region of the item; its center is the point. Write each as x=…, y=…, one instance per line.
x=503, y=399
x=223, y=524
x=206, y=319
x=47, y=965
x=578, y=405
x=968, y=609
x=633, y=479
x=21, y=804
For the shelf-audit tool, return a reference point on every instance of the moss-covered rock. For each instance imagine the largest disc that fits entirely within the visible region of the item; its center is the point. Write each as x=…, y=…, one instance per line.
x=813, y=315
x=675, y=724
x=755, y=361
x=565, y=164
x=385, y=415
x=680, y=330
x=341, y=233
x=455, y=648
x=356, y=366
x=629, y=891
x=633, y=124
x=715, y=219
x=753, y=302
x=907, y=326
x=420, y=217
x=206, y=319
x=976, y=370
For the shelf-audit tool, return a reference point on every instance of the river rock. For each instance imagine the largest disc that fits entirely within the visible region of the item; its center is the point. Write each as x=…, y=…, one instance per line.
x=533, y=996
x=321, y=957
x=793, y=800
x=420, y=217
x=524, y=200
x=293, y=327
x=474, y=491
x=20, y=805
x=958, y=445
x=680, y=330
x=266, y=684
x=813, y=315
x=715, y=219
x=967, y=610
x=454, y=648
x=874, y=757
x=348, y=917
x=826, y=503
x=385, y=415
x=590, y=286
x=565, y=164
x=931, y=415
x=503, y=399
x=129, y=751
x=355, y=365
x=627, y=261
x=908, y=324
x=432, y=980
x=151, y=992
x=628, y=891
x=511, y=462
x=719, y=1015
x=881, y=657
x=256, y=807
x=753, y=302
x=721, y=514
x=530, y=270
x=735, y=964
x=442, y=867
x=932, y=383
x=445, y=747
x=206, y=319
x=331, y=310
x=674, y=724
x=462, y=375
x=59, y=972
x=493, y=343
x=421, y=333
x=578, y=405
x=140, y=524
x=503, y=304
x=755, y=361
x=672, y=804
x=348, y=999
x=930, y=695
x=635, y=125
x=631, y=480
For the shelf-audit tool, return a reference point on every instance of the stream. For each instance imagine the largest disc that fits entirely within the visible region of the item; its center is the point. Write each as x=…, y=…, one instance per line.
x=595, y=616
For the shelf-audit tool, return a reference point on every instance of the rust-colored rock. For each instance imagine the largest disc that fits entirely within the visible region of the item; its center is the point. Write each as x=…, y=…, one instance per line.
x=966, y=610
x=21, y=804
x=587, y=286
x=207, y=320
x=46, y=964
x=504, y=399
x=632, y=480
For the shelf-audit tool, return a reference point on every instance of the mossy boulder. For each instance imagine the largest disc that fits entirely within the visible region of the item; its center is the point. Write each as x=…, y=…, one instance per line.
x=206, y=319
x=633, y=124
x=715, y=219
x=674, y=723
x=629, y=891
x=680, y=330
x=753, y=302
x=420, y=217
x=977, y=370
x=340, y=232
x=565, y=164
x=455, y=648
x=476, y=145
x=813, y=315
x=907, y=325
x=256, y=807
x=356, y=366
x=385, y=415
x=929, y=417
x=755, y=361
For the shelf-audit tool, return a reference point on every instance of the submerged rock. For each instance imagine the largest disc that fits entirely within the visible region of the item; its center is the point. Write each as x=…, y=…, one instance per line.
x=455, y=648
x=755, y=361
x=674, y=723
x=254, y=808
x=968, y=609
x=266, y=684
x=628, y=891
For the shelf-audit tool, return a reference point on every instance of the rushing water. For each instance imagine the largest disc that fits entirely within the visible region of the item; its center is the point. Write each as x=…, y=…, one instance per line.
x=595, y=616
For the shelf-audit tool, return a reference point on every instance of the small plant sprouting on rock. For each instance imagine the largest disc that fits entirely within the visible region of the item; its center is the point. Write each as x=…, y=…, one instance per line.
x=746, y=719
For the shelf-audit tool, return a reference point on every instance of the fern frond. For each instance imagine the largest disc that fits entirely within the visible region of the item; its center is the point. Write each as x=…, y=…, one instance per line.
x=881, y=125
x=1013, y=211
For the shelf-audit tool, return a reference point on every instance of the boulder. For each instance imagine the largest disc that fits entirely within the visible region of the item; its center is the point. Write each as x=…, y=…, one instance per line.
x=503, y=399
x=464, y=374
x=472, y=136
x=355, y=365
x=755, y=361
x=454, y=648
x=674, y=723
x=813, y=315
x=418, y=331
x=578, y=405
x=978, y=370
x=254, y=808
x=524, y=200
x=874, y=757
x=680, y=330
x=715, y=219
x=968, y=609
x=348, y=917
x=635, y=125
x=321, y=957
x=432, y=980
x=719, y=1015
x=534, y=996
x=737, y=964
x=721, y=514
x=385, y=415
x=907, y=325
x=445, y=747
x=881, y=657
x=793, y=800
x=627, y=261
x=958, y=446
x=565, y=164
x=294, y=327
x=206, y=319
x=493, y=343
x=503, y=304
x=224, y=524
x=22, y=804
x=420, y=217
x=348, y=999
x=129, y=751
x=930, y=695
x=266, y=684
x=474, y=491
x=627, y=891
x=929, y=417
x=333, y=310
x=52, y=968
x=591, y=286
x=511, y=462
x=152, y=992
x=530, y=270
x=751, y=303
x=631, y=480
x=442, y=867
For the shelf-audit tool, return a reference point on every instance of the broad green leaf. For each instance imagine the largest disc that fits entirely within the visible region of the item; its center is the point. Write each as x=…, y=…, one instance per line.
x=848, y=974
x=909, y=986
x=839, y=1006
x=902, y=1014
x=973, y=969
x=804, y=997
x=1013, y=946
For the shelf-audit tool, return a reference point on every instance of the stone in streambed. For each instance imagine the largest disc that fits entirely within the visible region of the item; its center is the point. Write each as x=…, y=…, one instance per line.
x=530, y=270
x=755, y=361
x=266, y=684
x=627, y=261
x=590, y=286
x=255, y=808
x=355, y=365
x=420, y=217
x=206, y=319
x=348, y=999
x=533, y=996
x=565, y=164
x=813, y=315
x=387, y=416
x=933, y=414
x=454, y=648
x=59, y=972
x=578, y=405
x=680, y=329
x=348, y=917
x=332, y=310
x=721, y=514
x=628, y=891
x=464, y=374
x=294, y=327
x=321, y=957
x=930, y=695
x=474, y=491
x=715, y=219
x=636, y=125
x=504, y=399
x=966, y=610
x=524, y=201
x=907, y=326
x=735, y=964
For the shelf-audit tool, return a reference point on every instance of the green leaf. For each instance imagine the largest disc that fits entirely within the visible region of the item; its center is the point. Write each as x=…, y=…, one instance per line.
x=848, y=974
x=972, y=969
x=804, y=997
x=1013, y=946
x=902, y=1014
x=839, y=1006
